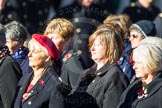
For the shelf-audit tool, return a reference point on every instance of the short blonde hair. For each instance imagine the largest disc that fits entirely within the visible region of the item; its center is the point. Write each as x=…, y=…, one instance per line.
x=61, y=26
x=111, y=41
x=118, y=31
x=150, y=55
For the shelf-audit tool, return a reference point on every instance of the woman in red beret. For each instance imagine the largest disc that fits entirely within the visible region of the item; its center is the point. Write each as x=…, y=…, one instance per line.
x=39, y=89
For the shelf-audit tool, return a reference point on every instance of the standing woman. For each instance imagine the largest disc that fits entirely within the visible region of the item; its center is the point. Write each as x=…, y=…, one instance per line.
x=146, y=91
x=37, y=87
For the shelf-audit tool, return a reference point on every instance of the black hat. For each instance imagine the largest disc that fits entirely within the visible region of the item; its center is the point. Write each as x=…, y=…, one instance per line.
x=146, y=27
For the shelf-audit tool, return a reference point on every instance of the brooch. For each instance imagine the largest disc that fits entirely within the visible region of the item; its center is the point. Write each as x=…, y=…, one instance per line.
x=67, y=56
x=142, y=93
x=26, y=95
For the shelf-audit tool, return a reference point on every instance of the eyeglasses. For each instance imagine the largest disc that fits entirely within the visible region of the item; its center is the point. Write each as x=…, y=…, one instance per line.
x=133, y=35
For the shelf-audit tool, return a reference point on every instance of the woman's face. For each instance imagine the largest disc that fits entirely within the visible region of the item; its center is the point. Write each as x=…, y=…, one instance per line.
x=13, y=46
x=97, y=50
x=36, y=58
x=139, y=68
x=58, y=40
x=135, y=38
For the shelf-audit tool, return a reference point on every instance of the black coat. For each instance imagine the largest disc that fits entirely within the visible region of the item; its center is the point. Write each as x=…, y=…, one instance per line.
x=10, y=12
x=44, y=95
x=152, y=100
x=138, y=12
x=72, y=68
x=10, y=73
x=158, y=25
x=103, y=87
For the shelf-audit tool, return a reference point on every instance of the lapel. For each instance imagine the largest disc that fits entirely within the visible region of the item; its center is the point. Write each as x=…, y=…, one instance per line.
x=38, y=87
x=23, y=86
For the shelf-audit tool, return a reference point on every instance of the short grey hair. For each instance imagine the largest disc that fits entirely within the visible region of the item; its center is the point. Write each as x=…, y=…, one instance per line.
x=16, y=31
x=151, y=57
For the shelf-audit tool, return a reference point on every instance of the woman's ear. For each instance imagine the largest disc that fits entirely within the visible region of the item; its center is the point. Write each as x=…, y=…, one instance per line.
x=21, y=41
x=48, y=59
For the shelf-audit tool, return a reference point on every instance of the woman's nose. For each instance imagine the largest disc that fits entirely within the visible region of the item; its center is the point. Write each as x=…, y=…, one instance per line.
x=29, y=54
x=92, y=48
x=134, y=66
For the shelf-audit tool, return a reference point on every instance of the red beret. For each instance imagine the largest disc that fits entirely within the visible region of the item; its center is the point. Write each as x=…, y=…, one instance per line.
x=48, y=44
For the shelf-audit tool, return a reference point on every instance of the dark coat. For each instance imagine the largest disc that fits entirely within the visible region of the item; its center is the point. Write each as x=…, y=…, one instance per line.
x=153, y=99
x=10, y=12
x=42, y=95
x=138, y=12
x=76, y=10
x=104, y=87
x=72, y=68
x=85, y=21
x=158, y=25
x=10, y=73
x=34, y=14
x=25, y=66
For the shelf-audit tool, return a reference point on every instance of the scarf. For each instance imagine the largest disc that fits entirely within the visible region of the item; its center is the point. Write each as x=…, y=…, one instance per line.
x=21, y=53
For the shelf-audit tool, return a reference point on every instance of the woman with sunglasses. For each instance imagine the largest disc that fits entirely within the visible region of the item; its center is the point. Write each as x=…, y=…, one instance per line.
x=139, y=31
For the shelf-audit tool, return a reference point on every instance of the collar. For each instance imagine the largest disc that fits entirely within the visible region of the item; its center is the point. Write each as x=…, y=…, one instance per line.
x=40, y=83
x=105, y=69
x=154, y=85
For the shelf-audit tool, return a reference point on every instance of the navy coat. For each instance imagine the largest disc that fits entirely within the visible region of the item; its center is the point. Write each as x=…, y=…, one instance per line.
x=44, y=94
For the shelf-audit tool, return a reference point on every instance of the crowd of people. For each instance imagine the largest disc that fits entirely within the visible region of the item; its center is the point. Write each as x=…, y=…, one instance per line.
x=81, y=55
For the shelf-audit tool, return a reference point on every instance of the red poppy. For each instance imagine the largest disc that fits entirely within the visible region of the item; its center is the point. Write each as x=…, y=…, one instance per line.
x=41, y=82
x=67, y=56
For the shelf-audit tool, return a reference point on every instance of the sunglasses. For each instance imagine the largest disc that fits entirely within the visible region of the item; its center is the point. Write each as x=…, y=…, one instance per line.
x=133, y=35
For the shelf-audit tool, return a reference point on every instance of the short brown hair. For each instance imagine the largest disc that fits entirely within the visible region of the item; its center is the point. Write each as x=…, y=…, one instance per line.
x=123, y=20
x=112, y=42
x=61, y=26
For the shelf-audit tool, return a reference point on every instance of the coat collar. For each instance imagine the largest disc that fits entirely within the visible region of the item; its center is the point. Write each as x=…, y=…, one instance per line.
x=103, y=70
x=39, y=85
x=153, y=86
